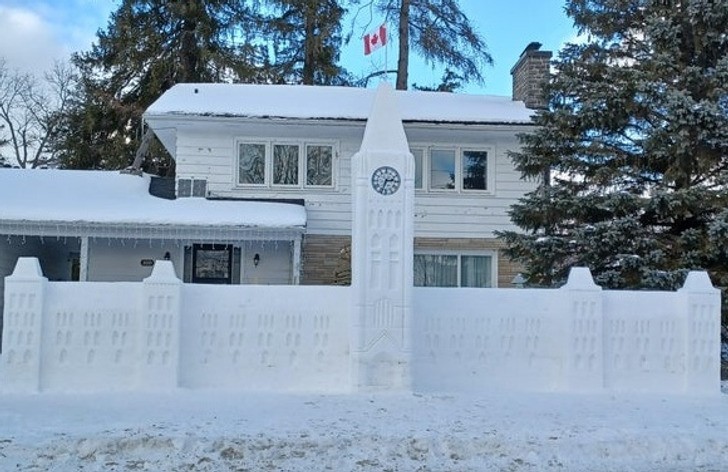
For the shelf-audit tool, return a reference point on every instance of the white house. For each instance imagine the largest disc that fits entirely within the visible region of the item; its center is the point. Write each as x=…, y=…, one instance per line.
x=379, y=333
x=262, y=192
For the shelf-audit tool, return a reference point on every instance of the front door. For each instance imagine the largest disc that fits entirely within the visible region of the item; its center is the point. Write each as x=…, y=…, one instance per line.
x=212, y=263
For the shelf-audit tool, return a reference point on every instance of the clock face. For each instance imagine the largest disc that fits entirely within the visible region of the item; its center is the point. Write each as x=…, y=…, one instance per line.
x=386, y=180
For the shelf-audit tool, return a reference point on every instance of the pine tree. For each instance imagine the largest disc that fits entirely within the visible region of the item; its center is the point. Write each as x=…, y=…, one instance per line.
x=306, y=40
x=439, y=32
x=635, y=141
x=148, y=46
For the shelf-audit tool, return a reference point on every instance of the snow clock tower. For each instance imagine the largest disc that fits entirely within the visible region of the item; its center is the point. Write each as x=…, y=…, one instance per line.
x=382, y=250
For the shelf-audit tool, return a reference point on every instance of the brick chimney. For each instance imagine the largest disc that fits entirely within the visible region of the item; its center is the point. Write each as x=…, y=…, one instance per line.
x=529, y=75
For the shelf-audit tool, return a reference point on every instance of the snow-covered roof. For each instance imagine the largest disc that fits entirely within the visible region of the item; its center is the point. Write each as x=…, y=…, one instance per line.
x=332, y=103
x=110, y=198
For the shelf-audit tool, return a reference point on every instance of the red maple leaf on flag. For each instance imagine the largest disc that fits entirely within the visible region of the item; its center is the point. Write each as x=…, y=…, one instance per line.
x=375, y=39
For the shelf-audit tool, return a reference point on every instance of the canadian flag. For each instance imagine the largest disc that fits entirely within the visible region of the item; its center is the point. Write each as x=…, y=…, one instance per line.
x=375, y=40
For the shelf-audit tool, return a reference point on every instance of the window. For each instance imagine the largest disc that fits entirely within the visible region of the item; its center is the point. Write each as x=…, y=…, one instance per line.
x=434, y=270
x=318, y=165
x=285, y=164
x=453, y=270
x=418, y=154
x=251, y=163
x=475, y=271
x=456, y=169
x=475, y=170
x=212, y=264
x=442, y=169
x=273, y=163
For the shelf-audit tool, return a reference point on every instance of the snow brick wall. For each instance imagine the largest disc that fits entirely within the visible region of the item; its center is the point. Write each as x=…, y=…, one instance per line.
x=161, y=334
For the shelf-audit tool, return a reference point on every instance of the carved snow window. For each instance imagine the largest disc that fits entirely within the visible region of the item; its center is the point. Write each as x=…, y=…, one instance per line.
x=319, y=164
x=251, y=163
x=475, y=170
x=285, y=164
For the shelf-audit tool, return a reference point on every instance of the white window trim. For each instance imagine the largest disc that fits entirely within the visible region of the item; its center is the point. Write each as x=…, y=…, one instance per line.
x=493, y=253
x=427, y=149
x=302, y=161
x=301, y=147
x=236, y=175
x=304, y=158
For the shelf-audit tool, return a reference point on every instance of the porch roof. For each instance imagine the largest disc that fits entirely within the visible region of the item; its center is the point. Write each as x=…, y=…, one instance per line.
x=108, y=203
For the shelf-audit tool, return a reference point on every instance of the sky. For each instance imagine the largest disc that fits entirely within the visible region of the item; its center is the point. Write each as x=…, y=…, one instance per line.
x=34, y=33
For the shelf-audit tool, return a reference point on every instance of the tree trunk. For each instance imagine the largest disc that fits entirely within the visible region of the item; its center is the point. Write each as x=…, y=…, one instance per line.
x=309, y=45
x=403, y=60
x=189, y=54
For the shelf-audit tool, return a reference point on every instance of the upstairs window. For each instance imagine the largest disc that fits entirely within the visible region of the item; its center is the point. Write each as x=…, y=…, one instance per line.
x=418, y=155
x=456, y=169
x=319, y=161
x=475, y=170
x=285, y=164
x=442, y=169
x=251, y=164
x=273, y=164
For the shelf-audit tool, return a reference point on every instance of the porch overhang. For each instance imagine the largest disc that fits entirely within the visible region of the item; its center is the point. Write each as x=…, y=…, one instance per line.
x=131, y=231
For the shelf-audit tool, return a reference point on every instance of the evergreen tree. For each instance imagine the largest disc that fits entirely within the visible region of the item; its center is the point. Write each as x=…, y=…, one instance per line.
x=441, y=33
x=148, y=46
x=635, y=141
x=307, y=41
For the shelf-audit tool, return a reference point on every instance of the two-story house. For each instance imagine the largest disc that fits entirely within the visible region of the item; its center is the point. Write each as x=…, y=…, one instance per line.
x=262, y=192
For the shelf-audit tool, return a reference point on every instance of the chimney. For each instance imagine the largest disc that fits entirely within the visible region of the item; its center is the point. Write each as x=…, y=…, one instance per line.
x=530, y=74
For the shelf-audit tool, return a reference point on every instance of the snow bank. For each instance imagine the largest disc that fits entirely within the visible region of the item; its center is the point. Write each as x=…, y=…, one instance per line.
x=206, y=431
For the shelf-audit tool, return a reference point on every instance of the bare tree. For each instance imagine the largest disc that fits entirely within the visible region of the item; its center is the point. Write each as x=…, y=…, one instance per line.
x=30, y=111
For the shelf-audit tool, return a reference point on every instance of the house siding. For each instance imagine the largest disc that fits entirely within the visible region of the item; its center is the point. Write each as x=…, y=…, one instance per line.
x=210, y=154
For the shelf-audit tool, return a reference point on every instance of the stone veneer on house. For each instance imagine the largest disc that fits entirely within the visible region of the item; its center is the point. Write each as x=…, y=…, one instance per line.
x=325, y=258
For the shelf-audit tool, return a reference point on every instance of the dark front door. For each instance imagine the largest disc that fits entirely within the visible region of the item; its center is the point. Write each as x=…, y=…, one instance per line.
x=212, y=263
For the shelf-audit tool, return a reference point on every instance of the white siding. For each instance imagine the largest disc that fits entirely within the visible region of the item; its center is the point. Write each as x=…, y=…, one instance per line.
x=208, y=151
x=274, y=265
x=117, y=260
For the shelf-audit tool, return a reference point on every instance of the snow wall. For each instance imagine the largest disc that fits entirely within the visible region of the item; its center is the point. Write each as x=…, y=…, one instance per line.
x=161, y=334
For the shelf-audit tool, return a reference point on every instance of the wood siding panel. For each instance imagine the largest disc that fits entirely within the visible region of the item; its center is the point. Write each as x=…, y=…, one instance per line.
x=211, y=154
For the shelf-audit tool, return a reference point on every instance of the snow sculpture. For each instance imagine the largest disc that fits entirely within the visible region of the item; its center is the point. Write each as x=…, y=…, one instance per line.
x=21, y=360
x=584, y=359
x=382, y=250
x=159, y=365
x=701, y=305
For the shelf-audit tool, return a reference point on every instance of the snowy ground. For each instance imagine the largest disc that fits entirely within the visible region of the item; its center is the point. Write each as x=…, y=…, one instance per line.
x=206, y=431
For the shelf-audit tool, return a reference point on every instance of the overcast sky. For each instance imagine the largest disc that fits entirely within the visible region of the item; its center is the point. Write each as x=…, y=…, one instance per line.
x=34, y=33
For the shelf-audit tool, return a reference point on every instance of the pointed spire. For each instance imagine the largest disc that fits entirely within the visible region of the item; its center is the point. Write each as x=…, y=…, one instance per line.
x=384, y=131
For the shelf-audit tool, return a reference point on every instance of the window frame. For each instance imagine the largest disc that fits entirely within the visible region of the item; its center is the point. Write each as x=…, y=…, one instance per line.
x=302, y=165
x=275, y=143
x=492, y=253
x=266, y=165
x=459, y=150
